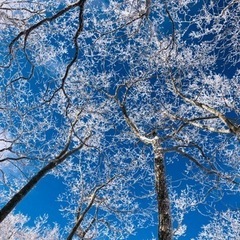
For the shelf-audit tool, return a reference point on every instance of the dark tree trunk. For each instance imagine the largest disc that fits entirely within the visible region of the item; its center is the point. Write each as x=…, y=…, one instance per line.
x=25, y=190
x=164, y=214
x=12, y=203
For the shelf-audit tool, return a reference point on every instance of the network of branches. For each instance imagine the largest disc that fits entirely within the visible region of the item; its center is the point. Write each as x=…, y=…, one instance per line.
x=132, y=105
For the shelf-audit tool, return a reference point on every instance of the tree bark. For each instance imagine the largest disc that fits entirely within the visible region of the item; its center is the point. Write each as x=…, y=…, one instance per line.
x=12, y=203
x=25, y=190
x=164, y=214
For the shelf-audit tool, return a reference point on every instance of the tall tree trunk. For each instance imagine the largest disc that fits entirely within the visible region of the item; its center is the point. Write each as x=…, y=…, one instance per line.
x=12, y=203
x=164, y=214
x=25, y=190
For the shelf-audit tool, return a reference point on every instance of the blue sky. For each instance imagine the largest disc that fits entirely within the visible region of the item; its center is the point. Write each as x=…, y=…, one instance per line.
x=91, y=72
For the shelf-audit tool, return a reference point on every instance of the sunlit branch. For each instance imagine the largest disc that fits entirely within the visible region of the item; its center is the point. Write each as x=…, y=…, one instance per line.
x=27, y=32
x=173, y=39
x=75, y=40
x=164, y=214
x=134, y=127
x=91, y=202
x=232, y=128
x=195, y=122
x=200, y=165
x=122, y=26
x=64, y=154
x=226, y=8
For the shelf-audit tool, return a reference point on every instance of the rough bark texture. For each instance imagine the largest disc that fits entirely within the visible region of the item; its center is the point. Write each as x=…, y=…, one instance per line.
x=164, y=215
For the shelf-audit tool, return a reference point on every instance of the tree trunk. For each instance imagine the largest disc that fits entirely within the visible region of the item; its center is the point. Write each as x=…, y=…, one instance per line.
x=25, y=190
x=164, y=215
x=12, y=203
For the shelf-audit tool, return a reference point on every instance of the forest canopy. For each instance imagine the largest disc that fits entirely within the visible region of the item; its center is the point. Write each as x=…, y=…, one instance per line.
x=131, y=111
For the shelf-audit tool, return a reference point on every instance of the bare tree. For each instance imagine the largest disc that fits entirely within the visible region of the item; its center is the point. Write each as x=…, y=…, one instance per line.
x=150, y=87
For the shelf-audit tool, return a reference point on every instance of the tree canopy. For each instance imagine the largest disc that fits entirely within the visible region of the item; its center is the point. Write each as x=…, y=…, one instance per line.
x=133, y=105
